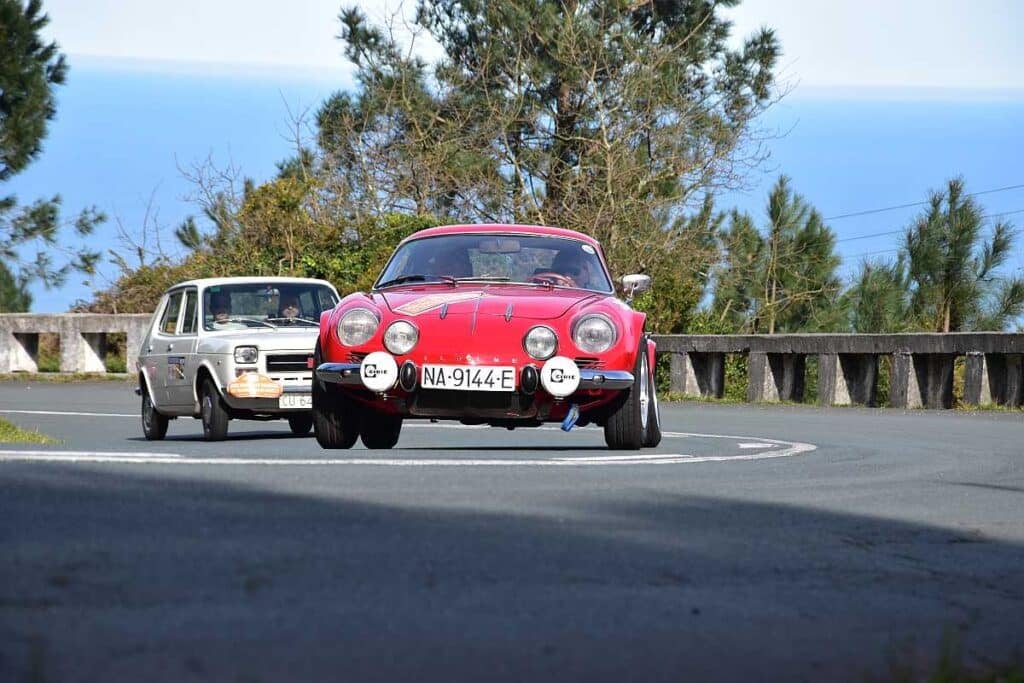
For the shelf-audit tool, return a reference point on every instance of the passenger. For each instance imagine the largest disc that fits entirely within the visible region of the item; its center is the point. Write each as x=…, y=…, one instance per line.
x=289, y=307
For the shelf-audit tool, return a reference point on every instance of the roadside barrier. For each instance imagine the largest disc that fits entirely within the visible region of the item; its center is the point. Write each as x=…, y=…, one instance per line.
x=83, y=339
x=921, y=366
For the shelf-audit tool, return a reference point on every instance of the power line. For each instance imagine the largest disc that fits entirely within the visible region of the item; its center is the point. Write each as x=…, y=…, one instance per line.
x=895, y=232
x=912, y=204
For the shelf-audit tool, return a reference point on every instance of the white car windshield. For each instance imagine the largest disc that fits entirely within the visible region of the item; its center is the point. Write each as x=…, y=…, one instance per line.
x=536, y=259
x=268, y=305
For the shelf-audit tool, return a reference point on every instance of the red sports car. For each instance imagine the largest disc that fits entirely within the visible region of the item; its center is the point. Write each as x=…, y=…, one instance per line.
x=505, y=325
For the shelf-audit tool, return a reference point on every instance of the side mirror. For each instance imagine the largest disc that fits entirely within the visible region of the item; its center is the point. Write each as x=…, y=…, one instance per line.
x=634, y=284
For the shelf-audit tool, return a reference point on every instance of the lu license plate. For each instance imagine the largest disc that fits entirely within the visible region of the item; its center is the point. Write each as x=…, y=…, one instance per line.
x=296, y=401
x=469, y=377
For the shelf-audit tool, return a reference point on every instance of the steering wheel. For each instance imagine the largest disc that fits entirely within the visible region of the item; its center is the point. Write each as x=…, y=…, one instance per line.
x=553, y=278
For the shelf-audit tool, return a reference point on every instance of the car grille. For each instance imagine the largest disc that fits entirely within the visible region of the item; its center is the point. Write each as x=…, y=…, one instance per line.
x=356, y=357
x=588, y=362
x=288, y=362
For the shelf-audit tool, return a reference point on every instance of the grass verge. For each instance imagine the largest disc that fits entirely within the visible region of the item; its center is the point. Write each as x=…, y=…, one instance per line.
x=12, y=433
x=65, y=377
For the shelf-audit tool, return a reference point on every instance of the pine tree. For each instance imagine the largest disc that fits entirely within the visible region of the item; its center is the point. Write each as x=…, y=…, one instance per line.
x=29, y=69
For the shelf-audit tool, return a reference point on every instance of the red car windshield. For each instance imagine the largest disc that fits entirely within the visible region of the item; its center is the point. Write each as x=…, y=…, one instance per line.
x=559, y=261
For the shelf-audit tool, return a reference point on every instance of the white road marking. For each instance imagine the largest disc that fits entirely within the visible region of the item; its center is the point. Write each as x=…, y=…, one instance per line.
x=65, y=412
x=85, y=455
x=743, y=442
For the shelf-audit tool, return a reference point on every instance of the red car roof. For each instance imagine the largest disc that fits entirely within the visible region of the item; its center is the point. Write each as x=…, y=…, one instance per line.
x=487, y=228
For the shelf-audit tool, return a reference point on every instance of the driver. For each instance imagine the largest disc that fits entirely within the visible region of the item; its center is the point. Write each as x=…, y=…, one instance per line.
x=220, y=307
x=572, y=264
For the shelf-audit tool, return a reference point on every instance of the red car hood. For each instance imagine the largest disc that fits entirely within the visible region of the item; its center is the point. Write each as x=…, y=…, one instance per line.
x=523, y=303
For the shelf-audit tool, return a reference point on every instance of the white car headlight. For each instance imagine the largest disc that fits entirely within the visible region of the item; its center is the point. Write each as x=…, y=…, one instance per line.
x=357, y=326
x=246, y=354
x=400, y=337
x=540, y=342
x=594, y=334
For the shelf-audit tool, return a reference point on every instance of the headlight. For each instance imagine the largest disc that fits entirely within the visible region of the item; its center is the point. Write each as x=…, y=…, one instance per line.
x=540, y=342
x=246, y=354
x=357, y=326
x=594, y=334
x=400, y=337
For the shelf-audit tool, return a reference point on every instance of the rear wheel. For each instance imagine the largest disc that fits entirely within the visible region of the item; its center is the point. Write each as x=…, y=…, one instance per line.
x=154, y=425
x=335, y=418
x=626, y=428
x=300, y=424
x=213, y=412
x=380, y=430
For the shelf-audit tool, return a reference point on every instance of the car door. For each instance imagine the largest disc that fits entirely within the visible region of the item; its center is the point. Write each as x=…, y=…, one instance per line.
x=181, y=353
x=161, y=344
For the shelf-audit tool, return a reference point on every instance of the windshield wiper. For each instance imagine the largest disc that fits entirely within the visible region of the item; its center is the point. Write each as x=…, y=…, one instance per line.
x=287, y=321
x=415, y=277
x=483, y=278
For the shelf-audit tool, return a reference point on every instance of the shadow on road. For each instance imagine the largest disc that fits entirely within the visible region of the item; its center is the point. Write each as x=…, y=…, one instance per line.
x=121, y=575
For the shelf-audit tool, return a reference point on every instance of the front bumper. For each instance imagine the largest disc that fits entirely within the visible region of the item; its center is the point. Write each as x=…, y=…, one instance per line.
x=347, y=374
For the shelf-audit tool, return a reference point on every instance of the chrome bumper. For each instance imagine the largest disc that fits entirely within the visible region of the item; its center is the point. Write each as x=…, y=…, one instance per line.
x=611, y=380
x=339, y=373
x=614, y=380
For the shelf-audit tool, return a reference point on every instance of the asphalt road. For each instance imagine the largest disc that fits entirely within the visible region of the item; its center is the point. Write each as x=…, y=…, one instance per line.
x=755, y=543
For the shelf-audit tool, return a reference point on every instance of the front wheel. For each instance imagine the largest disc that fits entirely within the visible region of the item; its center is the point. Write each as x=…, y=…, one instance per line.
x=627, y=425
x=335, y=418
x=213, y=412
x=380, y=430
x=154, y=425
x=300, y=424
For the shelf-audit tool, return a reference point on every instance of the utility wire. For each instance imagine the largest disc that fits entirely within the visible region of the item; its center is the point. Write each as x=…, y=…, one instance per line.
x=894, y=232
x=907, y=206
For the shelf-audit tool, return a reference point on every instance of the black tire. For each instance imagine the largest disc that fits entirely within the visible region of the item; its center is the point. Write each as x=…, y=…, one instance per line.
x=335, y=418
x=213, y=412
x=653, y=436
x=626, y=428
x=380, y=430
x=300, y=424
x=154, y=425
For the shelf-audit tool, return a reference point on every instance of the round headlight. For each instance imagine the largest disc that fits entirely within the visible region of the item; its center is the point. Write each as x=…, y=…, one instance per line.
x=357, y=326
x=594, y=334
x=246, y=354
x=540, y=342
x=400, y=337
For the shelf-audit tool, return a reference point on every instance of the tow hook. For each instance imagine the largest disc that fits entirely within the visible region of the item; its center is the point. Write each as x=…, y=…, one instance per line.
x=571, y=417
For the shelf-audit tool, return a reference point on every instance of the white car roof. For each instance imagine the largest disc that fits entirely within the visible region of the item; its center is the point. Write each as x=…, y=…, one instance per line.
x=219, y=281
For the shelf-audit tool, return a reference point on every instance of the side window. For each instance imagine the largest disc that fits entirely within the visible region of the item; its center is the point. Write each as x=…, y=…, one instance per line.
x=169, y=323
x=188, y=323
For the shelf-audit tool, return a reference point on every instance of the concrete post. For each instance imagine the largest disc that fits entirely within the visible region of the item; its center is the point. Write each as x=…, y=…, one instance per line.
x=847, y=378
x=81, y=352
x=977, y=386
x=679, y=372
x=19, y=352
x=133, y=342
x=923, y=380
x=1014, y=392
x=775, y=376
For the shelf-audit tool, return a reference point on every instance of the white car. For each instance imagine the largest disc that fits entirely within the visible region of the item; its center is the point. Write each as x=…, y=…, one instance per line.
x=232, y=348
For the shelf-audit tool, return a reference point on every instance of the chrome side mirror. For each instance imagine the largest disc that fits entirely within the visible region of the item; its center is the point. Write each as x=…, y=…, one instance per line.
x=635, y=284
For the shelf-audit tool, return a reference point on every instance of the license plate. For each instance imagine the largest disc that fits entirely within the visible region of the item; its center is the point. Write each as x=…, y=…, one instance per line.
x=296, y=401
x=469, y=377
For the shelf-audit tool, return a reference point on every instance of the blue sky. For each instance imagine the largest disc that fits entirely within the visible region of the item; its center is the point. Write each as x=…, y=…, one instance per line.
x=871, y=120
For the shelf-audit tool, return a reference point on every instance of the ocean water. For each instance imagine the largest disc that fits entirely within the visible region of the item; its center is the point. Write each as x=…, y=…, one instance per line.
x=124, y=135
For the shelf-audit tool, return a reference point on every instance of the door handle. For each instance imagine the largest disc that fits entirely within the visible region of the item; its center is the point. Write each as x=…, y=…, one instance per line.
x=170, y=347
